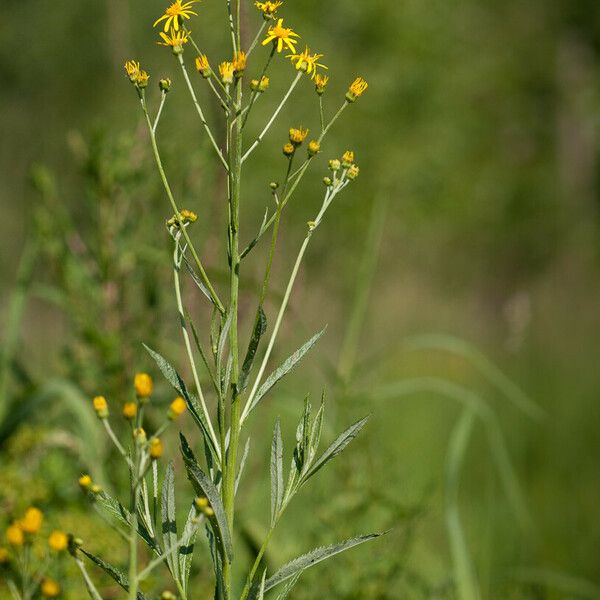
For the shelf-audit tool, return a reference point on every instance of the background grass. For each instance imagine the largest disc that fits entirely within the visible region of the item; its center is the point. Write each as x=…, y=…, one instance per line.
x=479, y=131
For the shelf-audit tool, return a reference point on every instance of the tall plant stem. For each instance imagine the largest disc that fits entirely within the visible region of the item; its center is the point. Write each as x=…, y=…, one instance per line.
x=256, y=564
x=133, y=577
x=165, y=181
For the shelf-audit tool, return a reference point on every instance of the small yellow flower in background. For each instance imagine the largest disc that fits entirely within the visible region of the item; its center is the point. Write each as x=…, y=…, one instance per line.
x=297, y=136
x=130, y=410
x=85, y=481
x=289, y=149
x=175, y=39
x=32, y=521
x=307, y=62
x=321, y=82
x=132, y=68
x=156, y=448
x=313, y=148
x=239, y=63
x=353, y=172
x=58, y=541
x=226, y=70
x=167, y=595
x=347, y=158
x=177, y=407
x=95, y=488
x=14, y=535
x=50, y=588
x=357, y=89
x=282, y=37
x=3, y=556
x=143, y=385
x=203, y=506
x=185, y=216
x=203, y=66
x=260, y=86
x=142, y=79
x=139, y=435
x=335, y=165
x=176, y=11
x=268, y=8
x=100, y=406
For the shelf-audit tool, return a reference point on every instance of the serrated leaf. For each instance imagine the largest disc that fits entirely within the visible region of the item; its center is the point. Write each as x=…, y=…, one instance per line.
x=276, y=472
x=186, y=550
x=315, y=434
x=111, y=570
x=260, y=327
x=284, y=369
x=169, y=523
x=204, y=486
x=336, y=448
x=287, y=588
x=312, y=558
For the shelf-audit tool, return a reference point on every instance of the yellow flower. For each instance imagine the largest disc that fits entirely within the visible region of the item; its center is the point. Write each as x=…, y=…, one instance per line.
x=85, y=481
x=178, y=10
x=156, y=448
x=289, y=149
x=142, y=79
x=143, y=385
x=347, y=158
x=175, y=39
x=50, y=588
x=132, y=68
x=185, y=216
x=130, y=410
x=14, y=535
x=226, y=71
x=353, y=172
x=32, y=521
x=100, y=406
x=3, y=556
x=313, y=148
x=297, y=136
x=281, y=36
x=177, y=407
x=260, y=86
x=58, y=541
x=239, y=62
x=321, y=82
x=357, y=88
x=139, y=435
x=268, y=8
x=307, y=62
x=203, y=66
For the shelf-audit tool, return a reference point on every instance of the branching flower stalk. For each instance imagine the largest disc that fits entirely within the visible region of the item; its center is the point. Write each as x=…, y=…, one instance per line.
x=214, y=469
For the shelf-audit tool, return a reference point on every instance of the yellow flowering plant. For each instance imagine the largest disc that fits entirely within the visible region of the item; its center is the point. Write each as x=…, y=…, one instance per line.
x=237, y=363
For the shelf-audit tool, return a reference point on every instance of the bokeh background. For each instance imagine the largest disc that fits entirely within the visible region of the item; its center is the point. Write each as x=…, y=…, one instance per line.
x=461, y=270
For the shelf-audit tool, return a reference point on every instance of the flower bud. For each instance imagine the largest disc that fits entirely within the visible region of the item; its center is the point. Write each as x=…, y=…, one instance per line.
x=166, y=595
x=177, y=408
x=58, y=541
x=353, y=172
x=139, y=435
x=327, y=181
x=313, y=148
x=203, y=66
x=164, y=85
x=130, y=410
x=274, y=185
x=49, y=588
x=85, y=481
x=156, y=448
x=143, y=385
x=297, y=136
x=335, y=165
x=14, y=535
x=95, y=489
x=289, y=149
x=100, y=406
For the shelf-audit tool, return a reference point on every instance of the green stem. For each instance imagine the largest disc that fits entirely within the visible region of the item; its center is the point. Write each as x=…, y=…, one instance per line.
x=256, y=92
x=256, y=38
x=256, y=564
x=133, y=525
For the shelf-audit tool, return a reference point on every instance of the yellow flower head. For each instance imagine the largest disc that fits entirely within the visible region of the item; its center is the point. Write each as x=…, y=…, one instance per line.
x=353, y=172
x=50, y=588
x=185, y=216
x=239, y=62
x=178, y=10
x=142, y=79
x=357, y=89
x=142, y=382
x=307, y=62
x=260, y=86
x=85, y=481
x=132, y=68
x=156, y=448
x=321, y=82
x=175, y=39
x=297, y=136
x=282, y=37
x=203, y=66
x=313, y=148
x=268, y=8
x=100, y=406
x=58, y=541
x=226, y=70
x=14, y=535
x=139, y=435
x=289, y=149
x=3, y=555
x=347, y=158
x=177, y=407
x=32, y=521
x=130, y=410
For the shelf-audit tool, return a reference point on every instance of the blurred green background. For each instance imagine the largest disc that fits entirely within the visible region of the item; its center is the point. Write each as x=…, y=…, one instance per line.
x=476, y=212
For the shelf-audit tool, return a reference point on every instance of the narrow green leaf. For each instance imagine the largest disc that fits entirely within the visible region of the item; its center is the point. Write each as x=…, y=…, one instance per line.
x=204, y=486
x=336, y=448
x=169, y=523
x=242, y=464
x=290, y=584
x=254, y=241
x=285, y=368
x=260, y=327
x=276, y=472
x=115, y=573
x=186, y=550
x=312, y=558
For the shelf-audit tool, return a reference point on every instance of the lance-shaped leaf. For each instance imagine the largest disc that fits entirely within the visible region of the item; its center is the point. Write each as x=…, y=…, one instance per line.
x=204, y=486
x=312, y=558
x=276, y=472
x=169, y=523
x=336, y=448
x=194, y=407
x=284, y=369
x=115, y=573
x=242, y=464
x=186, y=550
x=289, y=585
x=260, y=326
